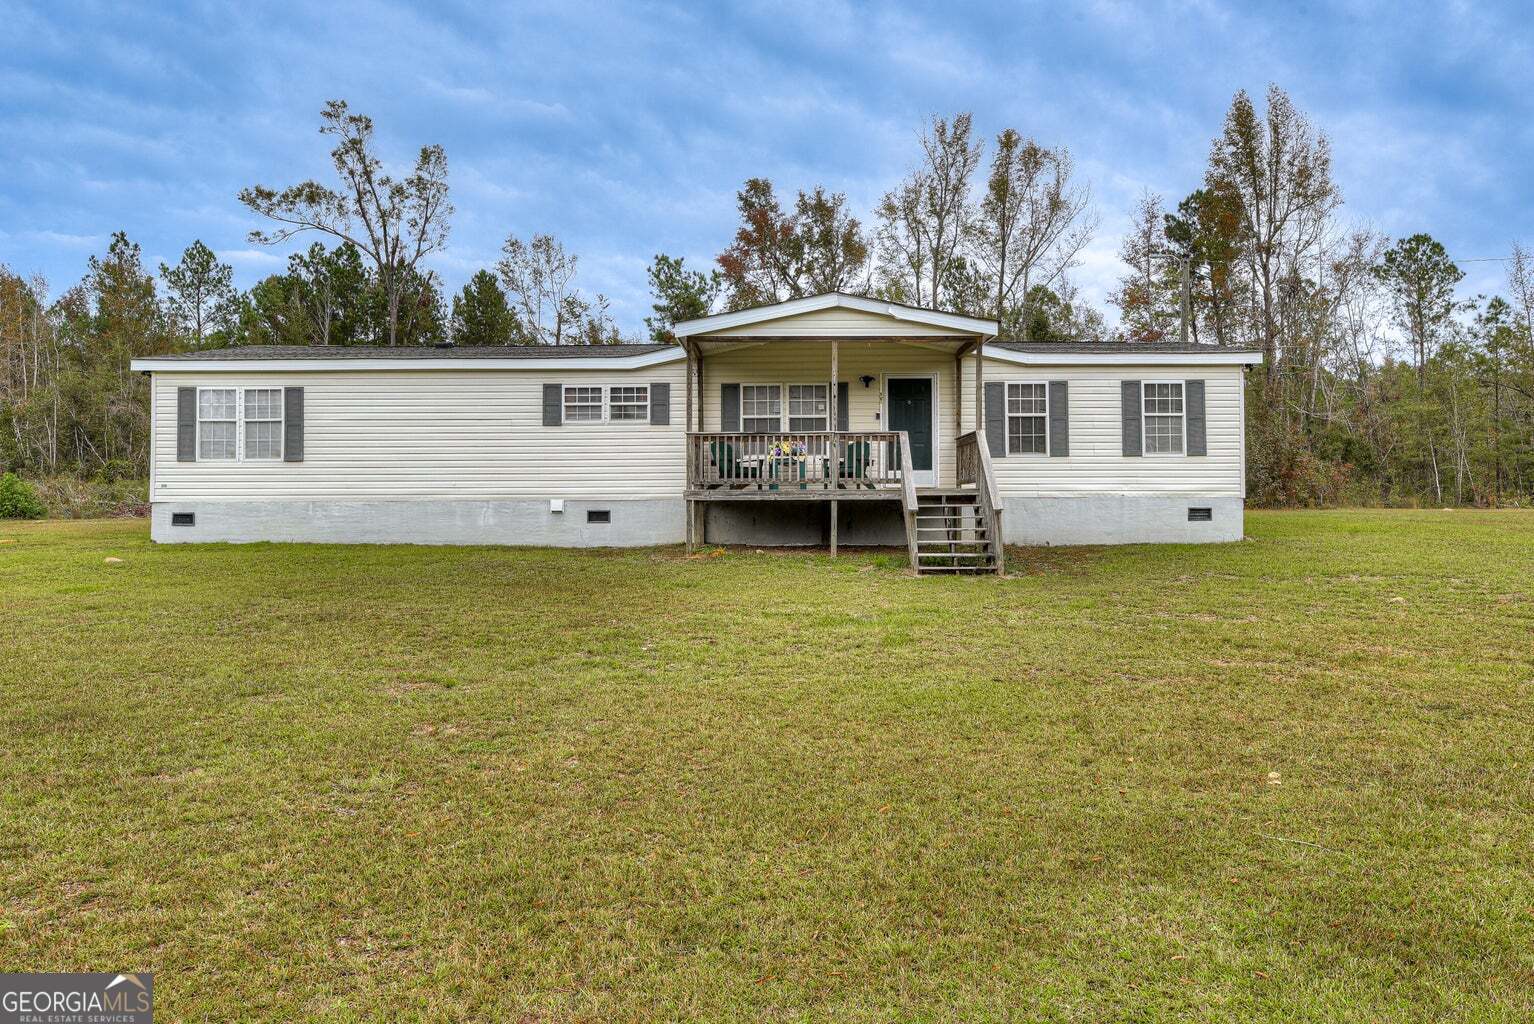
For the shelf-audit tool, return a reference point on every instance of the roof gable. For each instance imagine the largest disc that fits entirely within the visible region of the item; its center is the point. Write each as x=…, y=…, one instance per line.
x=839, y=315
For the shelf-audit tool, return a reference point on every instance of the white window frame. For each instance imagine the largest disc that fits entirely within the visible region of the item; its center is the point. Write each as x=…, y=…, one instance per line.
x=788, y=414
x=565, y=404
x=608, y=403
x=1145, y=451
x=239, y=422
x=784, y=414
x=782, y=404
x=1007, y=404
x=605, y=395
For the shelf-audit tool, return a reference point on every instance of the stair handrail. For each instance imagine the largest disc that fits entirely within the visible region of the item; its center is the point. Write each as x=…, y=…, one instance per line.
x=990, y=497
x=908, y=498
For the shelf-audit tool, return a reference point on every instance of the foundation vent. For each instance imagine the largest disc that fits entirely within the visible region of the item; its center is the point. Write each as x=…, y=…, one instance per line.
x=1200, y=515
x=599, y=515
x=183, y=519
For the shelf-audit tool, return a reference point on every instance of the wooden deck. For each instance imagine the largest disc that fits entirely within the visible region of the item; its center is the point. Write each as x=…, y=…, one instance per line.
x=824, y=463
x=948, y=529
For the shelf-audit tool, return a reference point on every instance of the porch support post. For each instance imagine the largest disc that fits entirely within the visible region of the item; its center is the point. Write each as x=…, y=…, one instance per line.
x=833, y=527
x=687, y=438
x=692, y=370
x=958, y=387
x=699, y=359
x=833, y=456
x=980, y=386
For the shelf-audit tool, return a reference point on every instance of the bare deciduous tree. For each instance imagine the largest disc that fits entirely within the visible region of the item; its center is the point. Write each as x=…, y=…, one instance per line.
x=1032, y=222
x=396, y=223
x=1277, y=169
x=924, y=224
x=540, y=283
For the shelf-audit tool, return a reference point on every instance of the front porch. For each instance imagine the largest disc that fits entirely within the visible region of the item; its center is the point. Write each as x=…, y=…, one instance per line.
x=841, y=399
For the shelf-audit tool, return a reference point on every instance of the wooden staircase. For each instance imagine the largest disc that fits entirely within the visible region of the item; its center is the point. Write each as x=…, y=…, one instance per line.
x=955, y=533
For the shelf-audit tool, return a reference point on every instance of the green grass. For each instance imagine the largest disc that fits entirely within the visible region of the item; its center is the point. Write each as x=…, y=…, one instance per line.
x=1287, y=779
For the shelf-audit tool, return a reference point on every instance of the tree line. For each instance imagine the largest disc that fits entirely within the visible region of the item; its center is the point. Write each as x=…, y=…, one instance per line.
x=1381, y=383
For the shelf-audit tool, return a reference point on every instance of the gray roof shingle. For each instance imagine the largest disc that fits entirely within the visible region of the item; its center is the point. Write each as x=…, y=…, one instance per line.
x=262, y=352
x=1115, y=347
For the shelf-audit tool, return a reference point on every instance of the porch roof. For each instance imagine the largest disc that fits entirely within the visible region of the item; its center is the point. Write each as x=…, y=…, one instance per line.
x=865, y=318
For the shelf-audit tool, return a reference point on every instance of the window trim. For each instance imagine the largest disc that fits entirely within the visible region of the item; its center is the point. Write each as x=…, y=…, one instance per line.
x=605, y=391
x=1145, y=451
x=788, y=414
x=1006, y=397
x=281, y=421
x=239, y=422
x=783, y=404
x=607, y=404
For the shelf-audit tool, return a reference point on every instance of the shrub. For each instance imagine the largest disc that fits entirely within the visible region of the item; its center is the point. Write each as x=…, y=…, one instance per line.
x=69, y=497
x=18, y=500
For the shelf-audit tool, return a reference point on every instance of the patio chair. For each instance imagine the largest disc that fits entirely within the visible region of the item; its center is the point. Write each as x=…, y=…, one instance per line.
x=854, y=467
x=730, y=467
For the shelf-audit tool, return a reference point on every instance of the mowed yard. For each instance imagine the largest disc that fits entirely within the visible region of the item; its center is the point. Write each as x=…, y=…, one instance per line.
x=1286, y=779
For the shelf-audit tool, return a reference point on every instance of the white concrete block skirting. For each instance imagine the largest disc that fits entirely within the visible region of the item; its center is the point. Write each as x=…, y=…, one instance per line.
x=632, y=522
x=1121, y=519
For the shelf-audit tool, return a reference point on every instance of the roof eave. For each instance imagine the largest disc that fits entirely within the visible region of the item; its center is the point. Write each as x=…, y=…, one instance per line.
x=289, y=364
x=832, y=300
x=1146, y=358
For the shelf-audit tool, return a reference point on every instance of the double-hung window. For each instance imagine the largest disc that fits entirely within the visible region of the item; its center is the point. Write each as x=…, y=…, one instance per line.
x=1028, y=419
x=263, y=423
x=808, y=408
x=583, y=405
x=629, y=403
x=239, y=424
x=761, y=408
x=1162, y=407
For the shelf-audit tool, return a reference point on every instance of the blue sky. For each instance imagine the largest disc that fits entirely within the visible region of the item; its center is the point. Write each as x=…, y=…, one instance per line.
x=625, y=130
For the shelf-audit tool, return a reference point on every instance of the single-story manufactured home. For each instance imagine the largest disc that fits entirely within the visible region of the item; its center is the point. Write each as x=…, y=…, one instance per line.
x=829, y=420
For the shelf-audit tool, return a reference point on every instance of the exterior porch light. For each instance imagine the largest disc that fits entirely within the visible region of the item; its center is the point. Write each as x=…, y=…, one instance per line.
x=867, y=379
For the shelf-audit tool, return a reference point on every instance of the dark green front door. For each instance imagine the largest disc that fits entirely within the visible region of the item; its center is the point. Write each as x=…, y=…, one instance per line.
x=910, y=409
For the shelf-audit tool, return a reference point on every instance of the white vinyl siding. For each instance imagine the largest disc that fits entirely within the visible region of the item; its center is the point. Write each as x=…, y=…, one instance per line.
x=1097, y=464
x=838, y=322
x=434, y=434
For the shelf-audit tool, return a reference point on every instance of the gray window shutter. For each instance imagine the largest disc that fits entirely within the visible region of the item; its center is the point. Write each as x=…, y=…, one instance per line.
x=729, y=408
x=996, y=418
x=1059, y=418
x=1129, y=392
x=660, y=404
x=186, y=424
x=1193, y=405
x=292, y=424
x=553, y=404
x=842, y=418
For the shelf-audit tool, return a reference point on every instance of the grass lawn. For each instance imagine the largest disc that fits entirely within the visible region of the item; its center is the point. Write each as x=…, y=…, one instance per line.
x=1287, y=779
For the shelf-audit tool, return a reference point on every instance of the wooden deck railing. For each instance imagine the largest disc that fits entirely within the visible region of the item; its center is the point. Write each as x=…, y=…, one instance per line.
x=972, y=458
x=908, y=501
x=966, y=463
x=819, y=460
